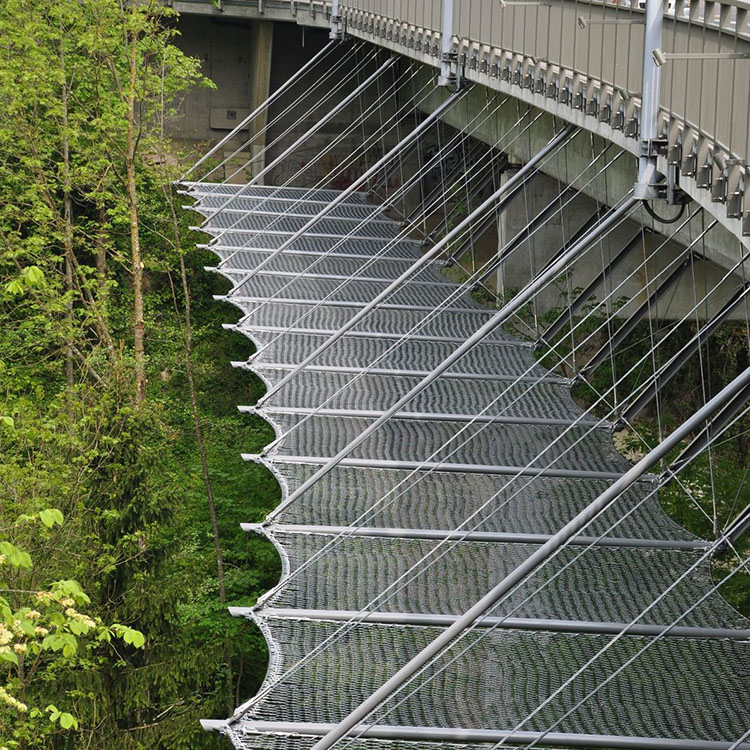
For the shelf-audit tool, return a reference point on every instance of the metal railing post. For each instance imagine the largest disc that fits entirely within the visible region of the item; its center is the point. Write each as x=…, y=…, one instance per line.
x=447, y=57
x=337, y=28
x=646, y=187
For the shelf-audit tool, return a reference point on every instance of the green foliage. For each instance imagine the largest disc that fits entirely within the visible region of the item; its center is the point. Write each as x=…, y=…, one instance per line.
x=47, y=632
x=102, y=494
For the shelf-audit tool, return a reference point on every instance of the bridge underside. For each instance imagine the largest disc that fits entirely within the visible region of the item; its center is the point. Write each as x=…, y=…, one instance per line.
x=426, y=449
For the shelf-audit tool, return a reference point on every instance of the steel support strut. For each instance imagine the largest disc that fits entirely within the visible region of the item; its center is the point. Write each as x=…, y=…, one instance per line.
x=740, y=383
x=716, y=426
x=488, y=222
x=630, y=324
x=675, y=364
x=532, y=227
x=425, y=259
x=337, y=27
x=448, y=75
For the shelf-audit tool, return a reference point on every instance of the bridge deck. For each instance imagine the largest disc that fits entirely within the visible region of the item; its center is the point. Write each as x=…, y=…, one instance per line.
x=514, y=475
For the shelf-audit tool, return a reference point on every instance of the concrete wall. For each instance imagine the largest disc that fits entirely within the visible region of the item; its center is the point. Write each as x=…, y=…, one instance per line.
x=238, y=56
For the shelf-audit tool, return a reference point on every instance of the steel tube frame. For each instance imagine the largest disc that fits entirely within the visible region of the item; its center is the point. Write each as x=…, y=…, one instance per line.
x=427, y=416
x=337, y=277
x=479, y=536
x=544, y=380
x=258, y=233
x=428, y=466
x=488, y=179
x=607, y=498
x=506, y=623
x=372, y=335
x=313, y=253
x=502, y=315
x=437, y=248
x=340, y=303
x=443, y=735
x=208, y=213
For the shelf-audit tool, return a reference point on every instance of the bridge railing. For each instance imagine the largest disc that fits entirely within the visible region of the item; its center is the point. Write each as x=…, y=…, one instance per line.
x=584, y=60
x=588, y=55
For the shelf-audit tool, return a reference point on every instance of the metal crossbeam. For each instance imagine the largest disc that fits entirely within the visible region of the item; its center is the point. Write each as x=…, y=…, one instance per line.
x=428, y=416
x=344, y=303
x=342, y=277
x=632, y=322
x=477, y=536
x=209, y=213
x=506, y=623
x=313, y=254
x=370, y=335
x=443, y=735
x=311, y=234
x=395, y=373
x=370, y=463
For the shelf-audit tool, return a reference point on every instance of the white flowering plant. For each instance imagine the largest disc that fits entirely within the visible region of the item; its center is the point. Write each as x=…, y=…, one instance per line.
x=49, y=625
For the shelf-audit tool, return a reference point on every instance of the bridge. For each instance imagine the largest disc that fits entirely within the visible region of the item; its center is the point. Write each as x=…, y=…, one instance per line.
x=488, y=253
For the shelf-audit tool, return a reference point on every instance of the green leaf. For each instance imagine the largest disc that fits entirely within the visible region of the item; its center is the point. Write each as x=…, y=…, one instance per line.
x=68, y=721
x=9, y=656
x=14, y=287
x=78, y=628
x=33, y=276
x=15, y=556
x=51, y=516
x=7, y=421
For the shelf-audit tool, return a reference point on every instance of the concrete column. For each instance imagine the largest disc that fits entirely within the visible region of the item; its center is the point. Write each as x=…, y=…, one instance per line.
x=261, y=51
x=504, y=235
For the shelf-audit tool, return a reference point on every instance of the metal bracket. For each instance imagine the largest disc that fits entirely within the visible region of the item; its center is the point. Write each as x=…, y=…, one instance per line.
x=449, y=70
x=337, y=28
x=654, y=147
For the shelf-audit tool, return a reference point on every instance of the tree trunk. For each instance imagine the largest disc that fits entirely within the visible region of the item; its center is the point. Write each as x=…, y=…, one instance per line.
x=139, y=349
x=67, y=220
x=194, y=404
x=101, y=248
